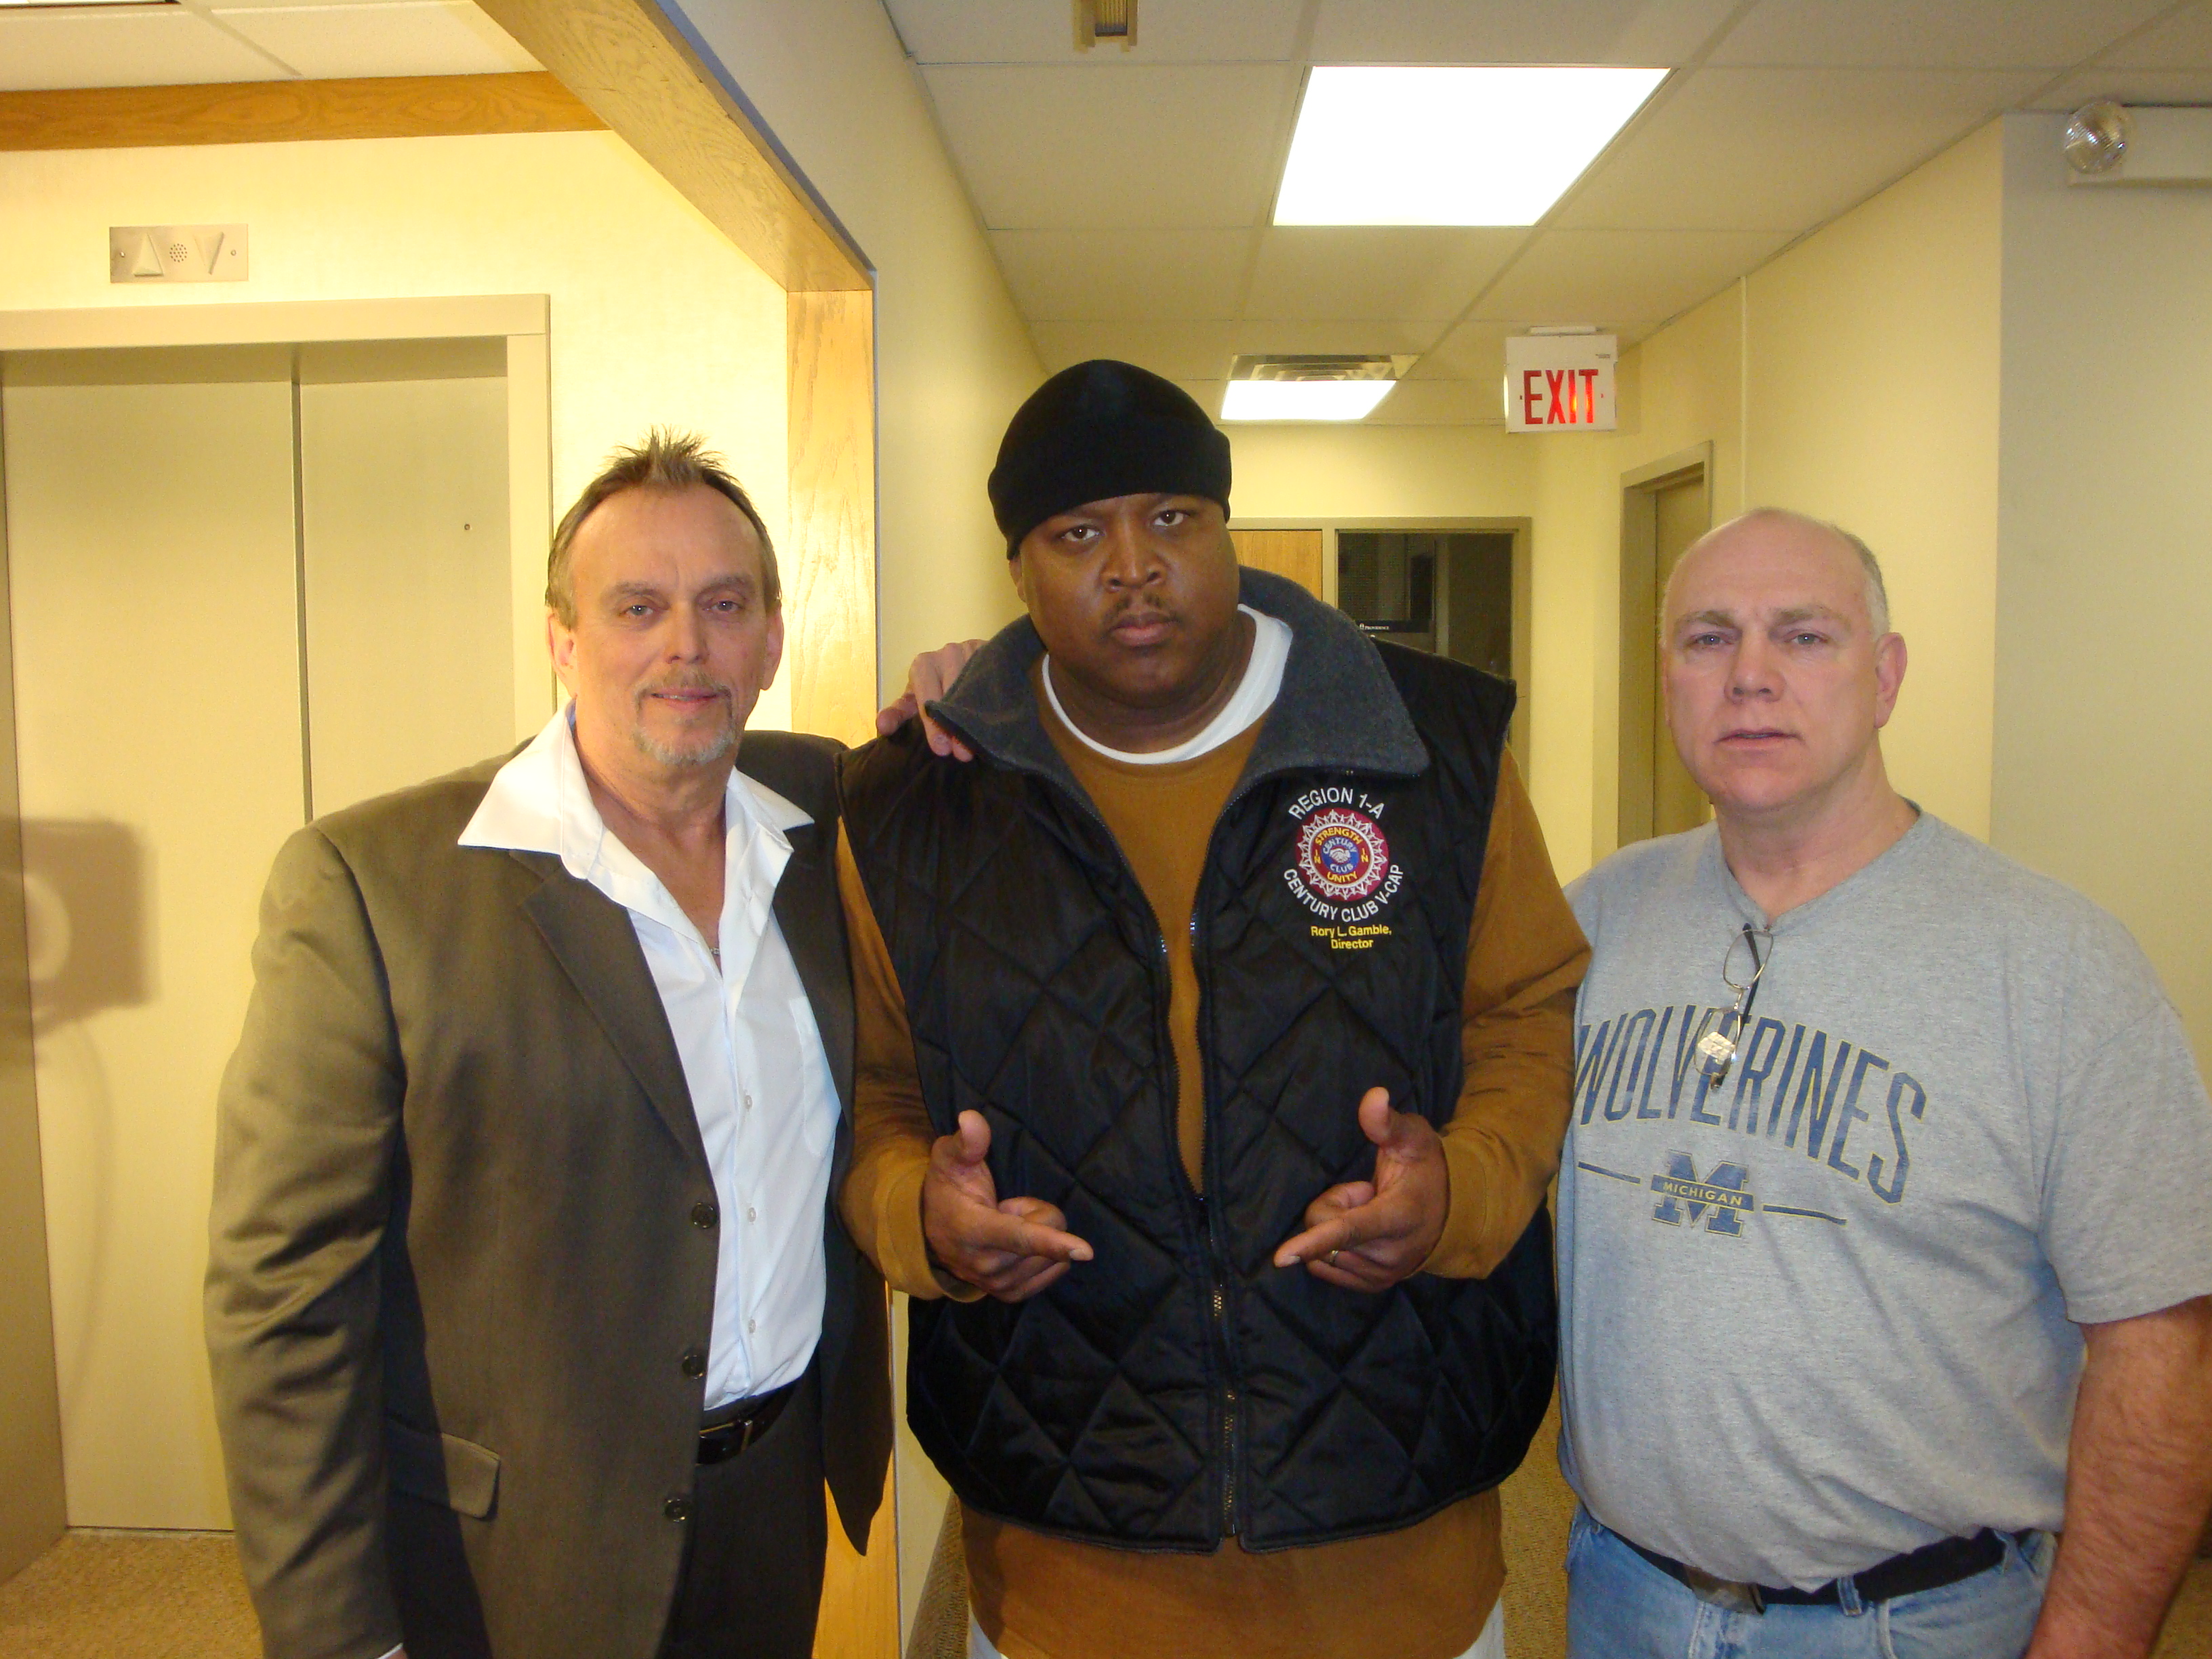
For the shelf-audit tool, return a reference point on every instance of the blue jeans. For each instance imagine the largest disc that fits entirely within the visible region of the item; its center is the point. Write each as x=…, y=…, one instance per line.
x=1621, y=1607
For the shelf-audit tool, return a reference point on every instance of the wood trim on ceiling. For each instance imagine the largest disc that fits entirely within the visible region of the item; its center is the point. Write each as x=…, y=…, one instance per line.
x=626, y=60
x=276, y=112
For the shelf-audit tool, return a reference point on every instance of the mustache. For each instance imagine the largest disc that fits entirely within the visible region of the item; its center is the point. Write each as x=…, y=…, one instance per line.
x=1138, y=611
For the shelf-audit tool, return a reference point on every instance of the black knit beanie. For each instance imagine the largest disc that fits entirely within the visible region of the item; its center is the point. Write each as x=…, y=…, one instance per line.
x=1098, y=430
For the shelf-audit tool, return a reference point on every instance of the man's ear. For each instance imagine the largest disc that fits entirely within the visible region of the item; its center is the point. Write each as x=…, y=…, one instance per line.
x=1018, y=572
x=561, y=644
x=1888, y=675
x=773, y=658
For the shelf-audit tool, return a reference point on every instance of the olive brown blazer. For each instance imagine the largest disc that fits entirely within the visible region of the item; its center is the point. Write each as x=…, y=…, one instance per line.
x=463, y=1238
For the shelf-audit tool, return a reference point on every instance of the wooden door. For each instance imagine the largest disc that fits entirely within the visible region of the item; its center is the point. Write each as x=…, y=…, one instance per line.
x=1292, y=553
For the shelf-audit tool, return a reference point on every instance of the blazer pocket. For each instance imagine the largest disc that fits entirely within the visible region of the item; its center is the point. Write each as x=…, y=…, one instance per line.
x=442, y=1468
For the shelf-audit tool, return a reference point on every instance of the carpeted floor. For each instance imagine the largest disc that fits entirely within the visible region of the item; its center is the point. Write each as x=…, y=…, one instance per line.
x=177, y=1596
x=129, y=1595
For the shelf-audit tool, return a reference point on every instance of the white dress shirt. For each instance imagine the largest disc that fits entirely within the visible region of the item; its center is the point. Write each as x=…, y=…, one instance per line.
x=752, y=1056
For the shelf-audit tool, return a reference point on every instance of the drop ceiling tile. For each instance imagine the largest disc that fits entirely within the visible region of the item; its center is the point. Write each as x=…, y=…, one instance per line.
x=405, y=37
x=2130, y=86
x=170, y=46
x=1133, y=146
x=1441, y=403
x=1029, y=32
x=1623, y=281
x=1654, y=33
x=2183, y=42
x=1783, y=150
x=1184, y=350
x=2052, y=35
x=1418, y=272
x=1123, y=275
x=1475, y=350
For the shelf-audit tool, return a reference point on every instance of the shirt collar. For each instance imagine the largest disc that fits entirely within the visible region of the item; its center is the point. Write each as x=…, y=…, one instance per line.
x=540, y=802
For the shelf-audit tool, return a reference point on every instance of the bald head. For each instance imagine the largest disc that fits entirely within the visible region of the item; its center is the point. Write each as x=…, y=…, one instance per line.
x=1777, y=526
x=1780, y=669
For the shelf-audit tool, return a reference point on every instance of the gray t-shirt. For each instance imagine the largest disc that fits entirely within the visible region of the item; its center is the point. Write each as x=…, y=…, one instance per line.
x=1820, y=1314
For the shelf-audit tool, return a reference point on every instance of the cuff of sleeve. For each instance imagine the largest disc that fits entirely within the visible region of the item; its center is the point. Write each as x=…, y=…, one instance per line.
x=904, y=1247
x=1463, y=1248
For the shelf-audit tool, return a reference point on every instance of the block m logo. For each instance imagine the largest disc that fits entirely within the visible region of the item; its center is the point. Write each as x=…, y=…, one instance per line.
x=1725, y=1191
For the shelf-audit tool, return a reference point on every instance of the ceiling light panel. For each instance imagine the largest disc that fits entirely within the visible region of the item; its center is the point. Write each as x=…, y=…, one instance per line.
x=1445, y=146
x=1301, y=400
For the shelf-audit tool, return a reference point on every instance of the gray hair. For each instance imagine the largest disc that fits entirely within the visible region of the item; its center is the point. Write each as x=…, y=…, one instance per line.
x=665, y=460
x=1877, y=591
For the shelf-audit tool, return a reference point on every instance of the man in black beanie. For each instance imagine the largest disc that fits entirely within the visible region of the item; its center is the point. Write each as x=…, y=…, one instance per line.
x=1213, y=1055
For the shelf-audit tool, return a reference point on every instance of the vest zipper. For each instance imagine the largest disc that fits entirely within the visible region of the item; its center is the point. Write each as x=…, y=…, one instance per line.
x=1214, y=1257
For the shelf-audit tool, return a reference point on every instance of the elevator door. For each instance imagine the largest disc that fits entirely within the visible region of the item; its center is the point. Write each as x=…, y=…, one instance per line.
x=184, y=699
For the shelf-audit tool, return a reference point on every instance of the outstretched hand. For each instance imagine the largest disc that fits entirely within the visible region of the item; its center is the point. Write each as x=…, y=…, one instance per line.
x=1368, y=1235
x=1012, y=1248
x=928, y=677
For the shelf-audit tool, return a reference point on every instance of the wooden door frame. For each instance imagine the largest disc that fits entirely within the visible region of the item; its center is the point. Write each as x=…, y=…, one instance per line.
x=1523, y=609
x=1638, y=629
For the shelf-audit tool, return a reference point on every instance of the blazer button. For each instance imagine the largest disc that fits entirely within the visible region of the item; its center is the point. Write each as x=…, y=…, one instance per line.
x=695, y=1362
x=677, y=1508
x=704, y=1216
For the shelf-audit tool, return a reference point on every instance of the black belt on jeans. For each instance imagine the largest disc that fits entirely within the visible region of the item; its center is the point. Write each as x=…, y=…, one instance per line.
x=1947, y=1561
x=728, y=1429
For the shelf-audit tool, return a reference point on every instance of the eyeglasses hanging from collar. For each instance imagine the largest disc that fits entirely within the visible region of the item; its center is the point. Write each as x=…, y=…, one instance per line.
x=1717, y=1049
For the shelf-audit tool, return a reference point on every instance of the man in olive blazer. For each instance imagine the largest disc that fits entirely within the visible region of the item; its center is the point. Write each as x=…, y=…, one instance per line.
x=465, y=1237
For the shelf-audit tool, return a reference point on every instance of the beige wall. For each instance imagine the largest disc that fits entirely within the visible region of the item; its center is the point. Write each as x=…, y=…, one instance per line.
x=655, y=316
x=953, y=358
x=2103, y=600
x=1872, y=399
x=1854, y=376
x=1328, y=471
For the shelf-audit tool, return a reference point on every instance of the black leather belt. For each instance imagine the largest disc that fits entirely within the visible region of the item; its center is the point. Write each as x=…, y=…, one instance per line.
x=728, y=1429
x=1947, y=1561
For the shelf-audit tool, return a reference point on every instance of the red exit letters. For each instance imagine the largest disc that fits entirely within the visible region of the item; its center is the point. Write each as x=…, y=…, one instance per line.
x=1559, y=397
x=1560, y=382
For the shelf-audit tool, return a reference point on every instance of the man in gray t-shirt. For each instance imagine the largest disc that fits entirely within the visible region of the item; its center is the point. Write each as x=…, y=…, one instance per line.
x=1881, y=1148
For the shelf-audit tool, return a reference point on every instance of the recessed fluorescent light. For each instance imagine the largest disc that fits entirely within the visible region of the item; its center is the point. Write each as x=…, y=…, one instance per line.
x=1431, y=146
x=1301, y=400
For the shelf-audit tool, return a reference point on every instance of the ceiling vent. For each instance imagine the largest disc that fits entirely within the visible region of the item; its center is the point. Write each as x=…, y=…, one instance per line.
x=1314, y=369
x=1105, y=20
x=1309, y=388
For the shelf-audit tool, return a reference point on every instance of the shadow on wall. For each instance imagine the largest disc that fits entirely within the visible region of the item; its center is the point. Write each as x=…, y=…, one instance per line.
x=88, y=909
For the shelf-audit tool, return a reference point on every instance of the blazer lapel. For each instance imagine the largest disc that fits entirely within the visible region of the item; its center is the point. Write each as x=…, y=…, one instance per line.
x=812, y=922
x=592, y=937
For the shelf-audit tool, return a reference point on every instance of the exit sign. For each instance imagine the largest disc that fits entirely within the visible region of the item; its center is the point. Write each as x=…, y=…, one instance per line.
x=1560, y=382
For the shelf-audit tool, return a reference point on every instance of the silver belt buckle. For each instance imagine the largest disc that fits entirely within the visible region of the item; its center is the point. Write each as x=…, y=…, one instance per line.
x=1725, y=1593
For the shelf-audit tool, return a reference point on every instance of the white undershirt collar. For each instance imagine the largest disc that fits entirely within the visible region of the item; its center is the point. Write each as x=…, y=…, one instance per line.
x=1255, y=696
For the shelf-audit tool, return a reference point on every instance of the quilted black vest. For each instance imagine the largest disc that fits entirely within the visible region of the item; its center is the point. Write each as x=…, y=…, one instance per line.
x=1181, y=1388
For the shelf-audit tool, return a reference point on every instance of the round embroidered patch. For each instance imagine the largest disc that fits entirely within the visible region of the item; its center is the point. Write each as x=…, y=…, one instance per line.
x=1342, y=856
